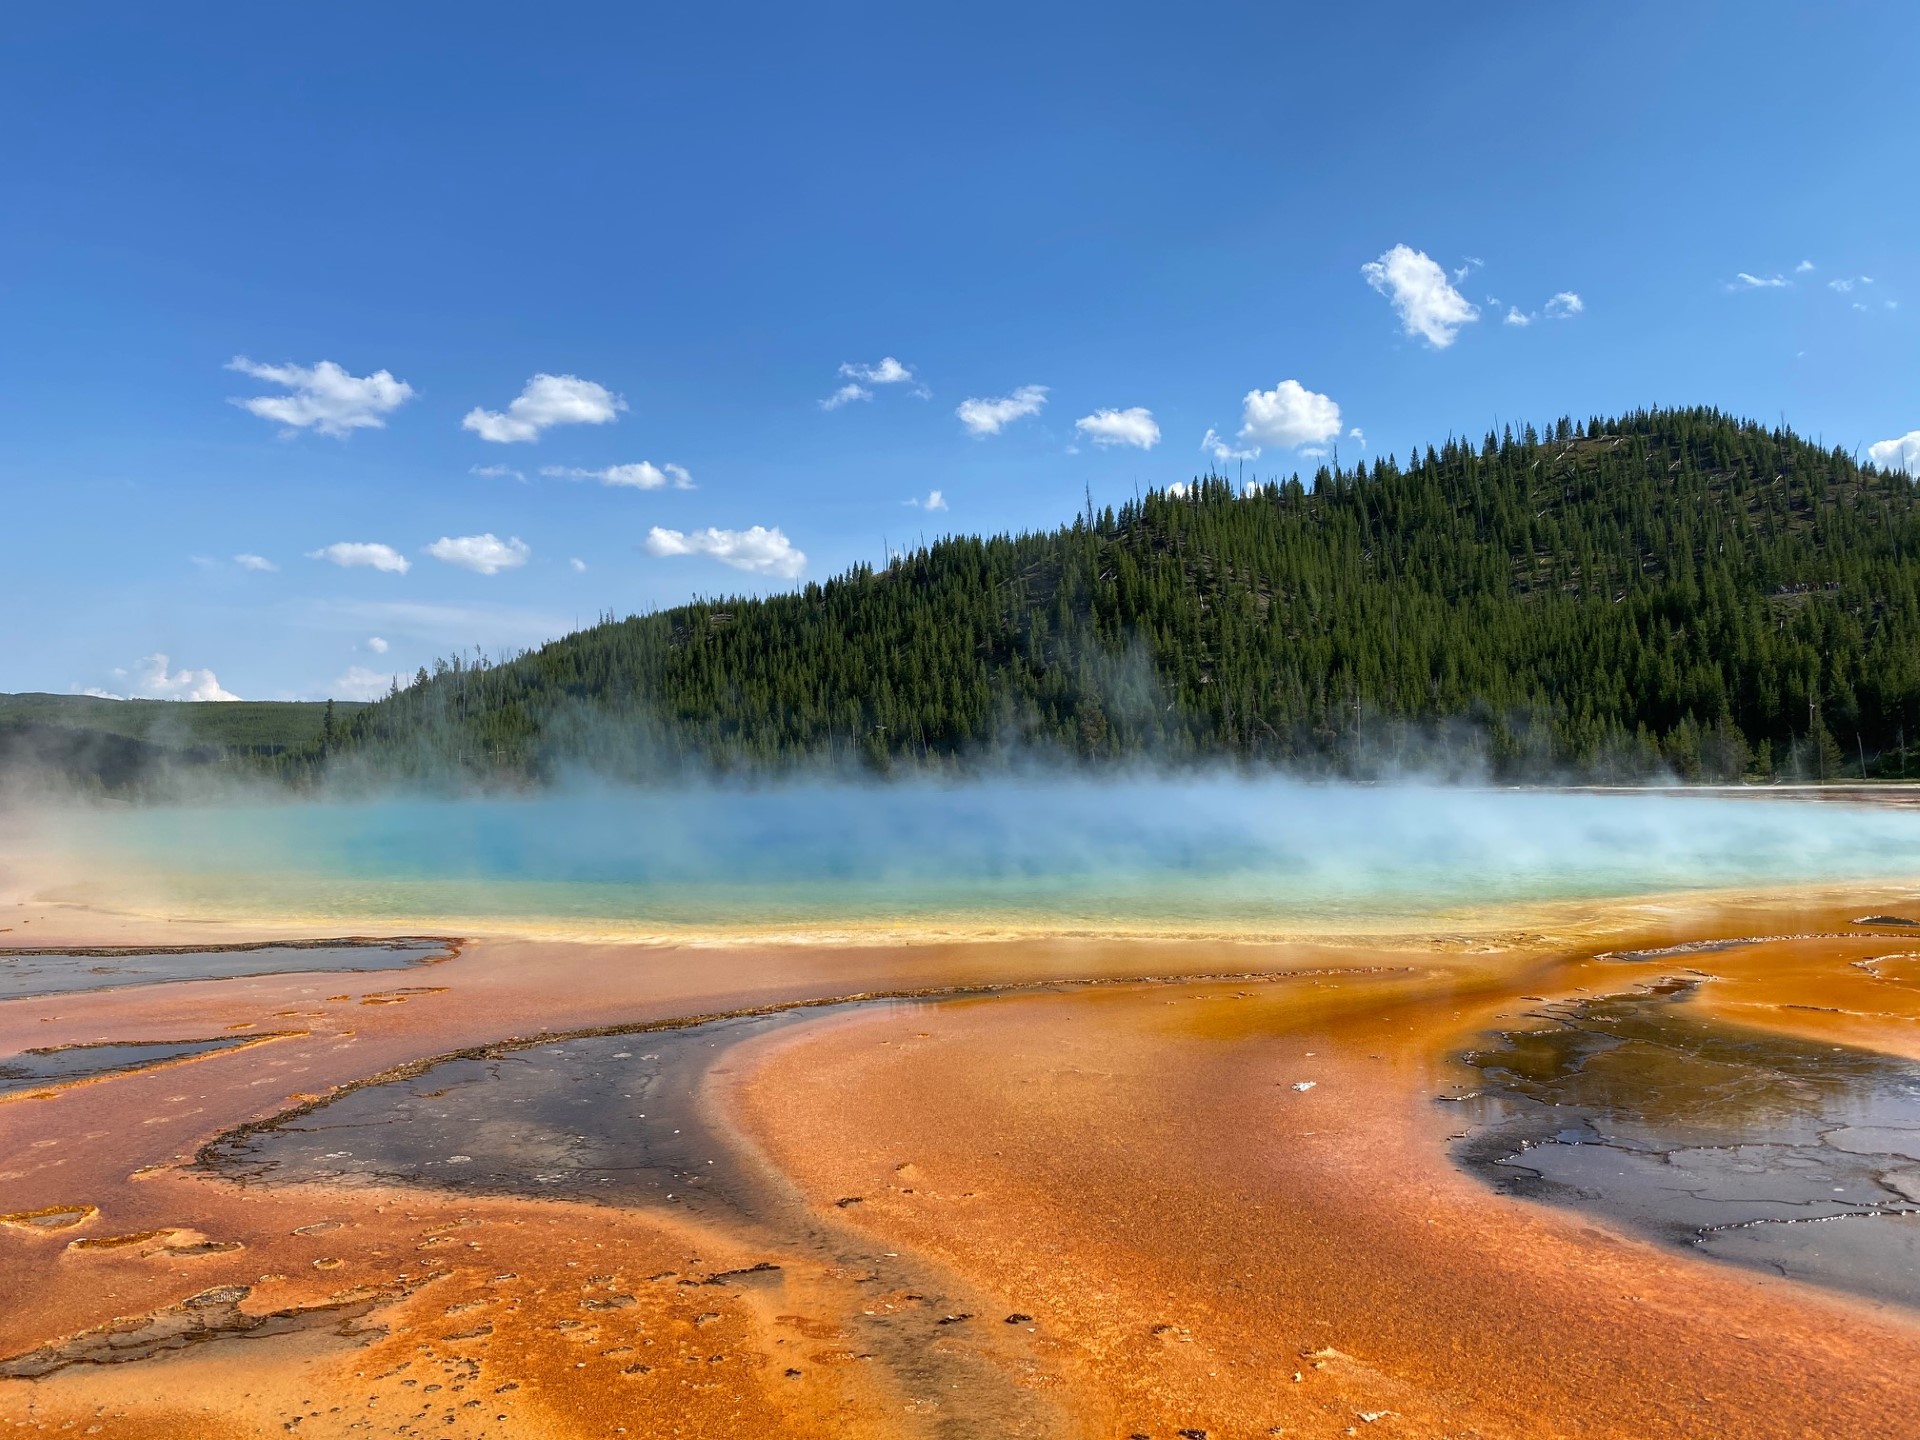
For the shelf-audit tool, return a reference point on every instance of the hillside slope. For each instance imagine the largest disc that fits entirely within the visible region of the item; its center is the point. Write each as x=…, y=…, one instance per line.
x=1671, y=588
x=116, y=744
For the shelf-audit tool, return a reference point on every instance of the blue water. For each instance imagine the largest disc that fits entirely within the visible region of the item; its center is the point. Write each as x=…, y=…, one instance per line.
x=1222, y=851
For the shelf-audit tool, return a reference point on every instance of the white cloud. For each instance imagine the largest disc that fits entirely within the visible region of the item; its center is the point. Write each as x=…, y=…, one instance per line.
x=377, y=645
x=254, y=562
x=1803, y=267
x=641, y=475
x=1428, y=306
x=989, y=417
x=360, y=683
x=577, y=565
x=1561, y=305
x=1213, y=445
x=497, y=472
x=483, y=554
x=1358, y=434
x=888, y=372
x=1744, y=281
x=1462, y=271
x=547, y=401
x=1843, y=286
x=1179, y=489
x=757, y=549
x=1289, y=414
x=1901, y=454
x=846, y=395
x=1134, y=426
x=324, y=397
x=363, y=554
x=153, y=680
x=934, y=501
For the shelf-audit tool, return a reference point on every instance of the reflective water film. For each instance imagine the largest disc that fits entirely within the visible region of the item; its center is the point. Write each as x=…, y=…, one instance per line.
x=1785, y=1154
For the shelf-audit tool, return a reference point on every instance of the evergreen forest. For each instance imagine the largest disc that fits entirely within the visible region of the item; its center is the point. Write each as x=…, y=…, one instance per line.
x=1668, y=593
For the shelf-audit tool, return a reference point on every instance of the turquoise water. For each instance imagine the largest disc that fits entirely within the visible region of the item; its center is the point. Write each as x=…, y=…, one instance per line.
x=1221, y=851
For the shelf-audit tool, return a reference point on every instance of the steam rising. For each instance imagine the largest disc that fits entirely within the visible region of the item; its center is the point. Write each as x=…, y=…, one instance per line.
x=1218, y=851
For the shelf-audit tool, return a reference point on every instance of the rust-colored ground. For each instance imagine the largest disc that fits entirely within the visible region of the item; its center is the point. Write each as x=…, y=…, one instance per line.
x=1126, y=1164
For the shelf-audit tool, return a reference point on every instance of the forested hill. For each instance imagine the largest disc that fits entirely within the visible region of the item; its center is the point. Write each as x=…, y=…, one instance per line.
x=1672, y=589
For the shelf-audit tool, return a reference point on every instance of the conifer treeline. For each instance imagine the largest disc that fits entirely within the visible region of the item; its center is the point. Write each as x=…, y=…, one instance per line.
x=1670, y=589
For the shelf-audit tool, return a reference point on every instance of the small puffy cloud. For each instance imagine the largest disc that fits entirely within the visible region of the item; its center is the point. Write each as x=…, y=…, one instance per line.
x=254, y=562
x=1516, y=316
x=1466, y=268
x=1134, y=426
x=1900, y=454
x=1428, y=306
x=1803, y=267
x=482, y=554
x=497, y=472
x=548, y=400
x=846, y=395
x=641, y=475
x=360, y=683
x=577, y=565
x=888, y=372
x=377, y=645
x=1289, y=415
x=990, y=417
x=885, y=371
x=323, y=397
x=1844, y=287
x=1220, y=450
x=155, y=680
x=1564, y=305
x=1360, y=435
x=363, y=555
x=756, y=549
x=1743, y=281
x=934, y=501
x=1179, y=490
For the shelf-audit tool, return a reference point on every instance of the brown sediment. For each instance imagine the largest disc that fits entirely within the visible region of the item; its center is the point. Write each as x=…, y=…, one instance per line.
x=1200, y=1198
x=1102, y=1136
x=46, y=1088
x=49, y=1217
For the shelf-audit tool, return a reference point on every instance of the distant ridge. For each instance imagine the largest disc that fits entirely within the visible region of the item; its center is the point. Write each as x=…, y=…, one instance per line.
x=1670, y=591
x=117, y=744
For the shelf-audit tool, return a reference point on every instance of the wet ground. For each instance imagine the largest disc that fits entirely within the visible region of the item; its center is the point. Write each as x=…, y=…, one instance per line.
x=39, y=1069
x=25, y=974
x=620, y=1119
x=1785, y=1154
x=1080, y=1190
x=610, y=1118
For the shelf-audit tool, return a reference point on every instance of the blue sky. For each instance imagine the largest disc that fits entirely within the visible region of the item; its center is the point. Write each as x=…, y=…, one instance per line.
x=280, y=282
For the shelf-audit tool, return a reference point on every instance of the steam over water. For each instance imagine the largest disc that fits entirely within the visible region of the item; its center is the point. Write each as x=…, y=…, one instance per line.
x=1218, y=852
